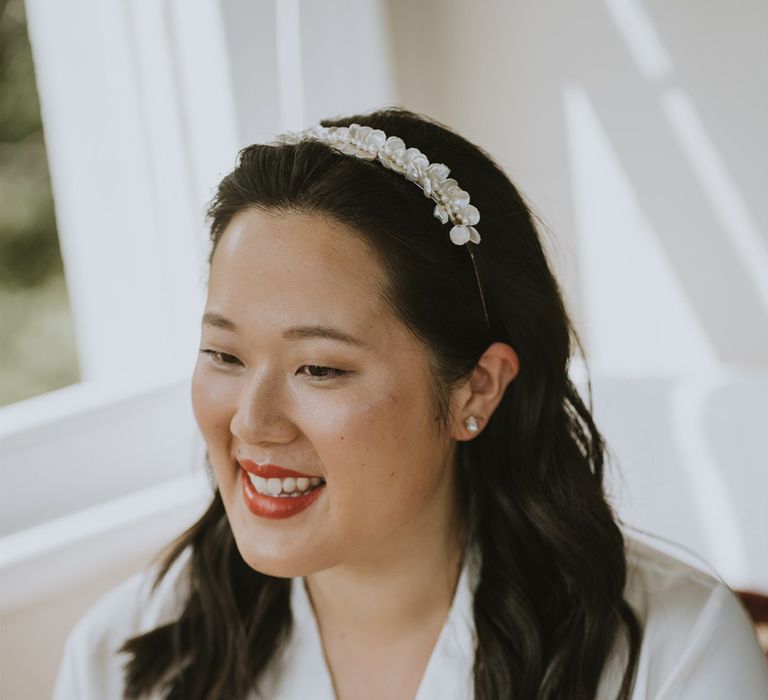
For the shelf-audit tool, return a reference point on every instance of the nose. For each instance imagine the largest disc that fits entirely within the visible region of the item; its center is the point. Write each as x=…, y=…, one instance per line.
x=261, y=415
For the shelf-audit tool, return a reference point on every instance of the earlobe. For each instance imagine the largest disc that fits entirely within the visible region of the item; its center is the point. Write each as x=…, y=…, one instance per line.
x=495, y=369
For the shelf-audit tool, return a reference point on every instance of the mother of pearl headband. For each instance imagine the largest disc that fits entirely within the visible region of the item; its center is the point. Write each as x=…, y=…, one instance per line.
x=451, y=202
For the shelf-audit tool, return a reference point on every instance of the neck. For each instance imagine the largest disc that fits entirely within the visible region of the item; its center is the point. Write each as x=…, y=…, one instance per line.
x=398, y=590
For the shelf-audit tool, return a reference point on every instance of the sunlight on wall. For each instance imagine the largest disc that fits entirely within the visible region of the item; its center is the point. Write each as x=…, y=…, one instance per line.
x=637, y=314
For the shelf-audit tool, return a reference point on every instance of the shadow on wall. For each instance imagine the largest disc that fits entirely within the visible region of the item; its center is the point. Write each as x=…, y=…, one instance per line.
x=636, y=130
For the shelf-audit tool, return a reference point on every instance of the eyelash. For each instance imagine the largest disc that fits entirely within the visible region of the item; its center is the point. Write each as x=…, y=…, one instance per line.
x=334, y=373
x=217, y=356
x=218, y=359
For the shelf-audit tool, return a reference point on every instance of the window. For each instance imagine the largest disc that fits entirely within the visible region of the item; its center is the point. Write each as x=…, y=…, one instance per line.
x=37, y=345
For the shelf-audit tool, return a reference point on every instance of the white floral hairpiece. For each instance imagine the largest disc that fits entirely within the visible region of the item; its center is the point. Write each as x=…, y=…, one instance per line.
x=371, y=144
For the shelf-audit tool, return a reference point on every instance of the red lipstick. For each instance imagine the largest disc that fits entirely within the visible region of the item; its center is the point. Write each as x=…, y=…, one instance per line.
x=269, y=471
x=274, y=507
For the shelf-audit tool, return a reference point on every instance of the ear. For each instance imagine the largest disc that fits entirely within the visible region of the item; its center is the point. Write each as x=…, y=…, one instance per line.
x=481, y=393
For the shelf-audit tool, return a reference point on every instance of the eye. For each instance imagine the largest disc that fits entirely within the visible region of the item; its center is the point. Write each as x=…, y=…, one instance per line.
x=221, y=358
x=319, y=372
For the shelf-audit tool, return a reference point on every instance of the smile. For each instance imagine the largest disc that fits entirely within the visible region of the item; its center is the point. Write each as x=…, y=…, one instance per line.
x=277, y=498
x=289, y=487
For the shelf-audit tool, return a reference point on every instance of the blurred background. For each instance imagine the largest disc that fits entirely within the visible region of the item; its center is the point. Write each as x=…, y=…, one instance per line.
x=36, y=316
x=635, y=128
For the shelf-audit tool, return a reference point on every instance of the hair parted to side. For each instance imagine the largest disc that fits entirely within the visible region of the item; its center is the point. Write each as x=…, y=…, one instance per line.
x=533, y=478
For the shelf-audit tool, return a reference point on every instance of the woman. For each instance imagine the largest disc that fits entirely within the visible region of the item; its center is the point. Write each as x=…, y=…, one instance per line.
x=409, y=498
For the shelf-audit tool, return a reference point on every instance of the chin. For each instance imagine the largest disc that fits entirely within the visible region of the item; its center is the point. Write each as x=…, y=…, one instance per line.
x=283, y=564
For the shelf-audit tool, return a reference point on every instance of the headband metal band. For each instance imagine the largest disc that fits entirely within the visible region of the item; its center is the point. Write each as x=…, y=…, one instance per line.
x=451, y=202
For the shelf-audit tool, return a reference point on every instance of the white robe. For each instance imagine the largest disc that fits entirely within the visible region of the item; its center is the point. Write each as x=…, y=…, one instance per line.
x=698, y=642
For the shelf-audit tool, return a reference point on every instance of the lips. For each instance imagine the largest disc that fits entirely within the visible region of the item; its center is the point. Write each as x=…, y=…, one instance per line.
x=271, y=471
x=276, y=507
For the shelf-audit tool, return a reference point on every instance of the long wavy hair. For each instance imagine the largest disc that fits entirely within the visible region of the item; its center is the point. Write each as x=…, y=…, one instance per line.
x=533, y=478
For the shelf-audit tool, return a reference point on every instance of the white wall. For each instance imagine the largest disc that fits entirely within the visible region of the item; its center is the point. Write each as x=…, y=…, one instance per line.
x=636, y=129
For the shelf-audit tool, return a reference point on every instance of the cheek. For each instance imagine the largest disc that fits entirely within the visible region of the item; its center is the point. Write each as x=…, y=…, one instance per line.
x=211, y=404
x=383, y=445
x=356, y=419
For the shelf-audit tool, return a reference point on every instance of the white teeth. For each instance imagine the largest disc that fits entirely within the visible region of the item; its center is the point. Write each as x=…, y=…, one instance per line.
x=287, y=487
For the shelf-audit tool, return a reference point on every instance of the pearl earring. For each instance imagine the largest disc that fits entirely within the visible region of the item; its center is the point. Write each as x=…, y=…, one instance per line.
x=471, y=424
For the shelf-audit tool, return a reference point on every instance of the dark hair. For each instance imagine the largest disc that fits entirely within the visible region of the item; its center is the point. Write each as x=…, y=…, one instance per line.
x=535, y=504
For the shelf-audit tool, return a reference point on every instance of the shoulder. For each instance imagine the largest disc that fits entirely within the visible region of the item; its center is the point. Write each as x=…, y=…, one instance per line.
x=698, y=641
x=92, y=664
x=664, y=589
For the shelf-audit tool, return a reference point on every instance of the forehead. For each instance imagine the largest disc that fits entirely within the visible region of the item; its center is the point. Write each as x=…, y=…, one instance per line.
x=285, y=269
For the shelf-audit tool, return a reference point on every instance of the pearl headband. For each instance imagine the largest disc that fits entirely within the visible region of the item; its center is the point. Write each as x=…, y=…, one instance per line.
x=451, y=202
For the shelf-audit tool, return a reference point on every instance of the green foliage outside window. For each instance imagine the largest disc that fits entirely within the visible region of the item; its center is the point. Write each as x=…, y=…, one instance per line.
x=37, y=344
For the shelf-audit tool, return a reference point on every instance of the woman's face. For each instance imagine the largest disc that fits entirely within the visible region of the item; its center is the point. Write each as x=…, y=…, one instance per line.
x=303, y=368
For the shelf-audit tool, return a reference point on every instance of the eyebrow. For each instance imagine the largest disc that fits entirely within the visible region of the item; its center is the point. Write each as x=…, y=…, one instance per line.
x=216, y=320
